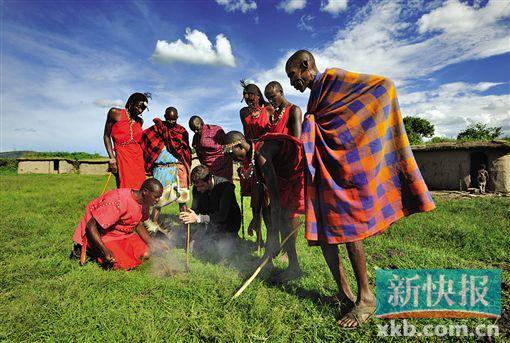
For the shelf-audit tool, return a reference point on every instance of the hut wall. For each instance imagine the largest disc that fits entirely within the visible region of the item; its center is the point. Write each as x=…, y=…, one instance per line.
x=444, y=169
x=65, y=167
x=499, y=171
x=35, y=167
x=93, y=168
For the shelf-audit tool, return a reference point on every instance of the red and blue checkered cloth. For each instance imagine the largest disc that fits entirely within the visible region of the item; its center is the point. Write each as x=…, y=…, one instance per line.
x=361, y=175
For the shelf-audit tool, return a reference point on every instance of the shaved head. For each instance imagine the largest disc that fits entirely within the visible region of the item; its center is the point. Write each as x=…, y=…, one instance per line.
x=195, y=120
x=301, y=70
x=171, y=115
x=300, y=56
x=275, y=85
x=233, y=137
x=150, y=192
x=152, y=185
x=235, y=146
x=195, y=124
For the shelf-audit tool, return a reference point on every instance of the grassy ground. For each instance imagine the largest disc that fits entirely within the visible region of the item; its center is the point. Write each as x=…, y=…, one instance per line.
x=46, y=296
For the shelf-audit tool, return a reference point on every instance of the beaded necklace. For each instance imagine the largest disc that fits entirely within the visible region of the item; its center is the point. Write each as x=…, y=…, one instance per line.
x=276, y=116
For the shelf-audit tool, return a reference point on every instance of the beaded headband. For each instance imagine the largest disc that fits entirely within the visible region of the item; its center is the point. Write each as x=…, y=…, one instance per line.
x=227, y=148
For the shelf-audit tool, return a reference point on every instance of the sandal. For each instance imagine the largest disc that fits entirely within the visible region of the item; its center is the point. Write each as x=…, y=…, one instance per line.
x=360, y=314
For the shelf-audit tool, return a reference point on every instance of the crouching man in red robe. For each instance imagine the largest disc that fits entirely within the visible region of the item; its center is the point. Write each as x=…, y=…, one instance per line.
x=277, y=162
x=112, y=230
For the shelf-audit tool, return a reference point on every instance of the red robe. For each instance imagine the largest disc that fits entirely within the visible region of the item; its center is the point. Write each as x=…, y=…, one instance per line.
x=289, y=169
x=253, y=129
x=208, y=146
x=118, y=213
x=126, y=137
x=284, y=125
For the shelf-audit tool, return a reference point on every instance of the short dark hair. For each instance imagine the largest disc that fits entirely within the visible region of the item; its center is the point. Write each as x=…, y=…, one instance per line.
x=193, y=120
x=200, y=173
x=171, y=109
x=152, y=185
x=276, y=85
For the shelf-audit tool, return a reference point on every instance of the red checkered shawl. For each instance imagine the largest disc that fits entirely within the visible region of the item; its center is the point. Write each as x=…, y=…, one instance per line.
x=208, y=146
x=361, y=173
x=158, y=136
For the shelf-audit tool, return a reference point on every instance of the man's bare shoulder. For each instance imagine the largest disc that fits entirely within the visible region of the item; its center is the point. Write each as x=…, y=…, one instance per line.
x=295, y=110
x=244, y=111
x=114, y=114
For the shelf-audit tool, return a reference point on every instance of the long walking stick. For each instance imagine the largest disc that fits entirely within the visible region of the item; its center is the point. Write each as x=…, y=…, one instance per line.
x=83, y=251
x=106, y=183
x=187, y=248
x=262, y=265
x=259, y=237
x=242, y=213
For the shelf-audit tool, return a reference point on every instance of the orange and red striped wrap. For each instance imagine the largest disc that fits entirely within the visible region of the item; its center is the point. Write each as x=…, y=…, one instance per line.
x=361, y=175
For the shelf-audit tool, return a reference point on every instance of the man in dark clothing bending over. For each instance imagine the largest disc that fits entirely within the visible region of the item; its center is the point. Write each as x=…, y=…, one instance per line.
x=214, y=204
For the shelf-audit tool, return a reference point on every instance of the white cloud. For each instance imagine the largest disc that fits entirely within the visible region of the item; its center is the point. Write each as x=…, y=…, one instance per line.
x=374, y=42
x=108, y=103
x=25, y=129
x=198, y=49
x=305, y=22
x=290, y=6
x=463, y=88
x=453, y=106
x=238, y=5
x=383, y=39
x=334, y=7
x=455, y=17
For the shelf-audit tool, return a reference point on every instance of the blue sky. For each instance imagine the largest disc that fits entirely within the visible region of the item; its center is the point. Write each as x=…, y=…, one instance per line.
x=65, y=63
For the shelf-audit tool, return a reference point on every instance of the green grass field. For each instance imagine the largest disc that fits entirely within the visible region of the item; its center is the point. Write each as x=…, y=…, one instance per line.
x=45, y=296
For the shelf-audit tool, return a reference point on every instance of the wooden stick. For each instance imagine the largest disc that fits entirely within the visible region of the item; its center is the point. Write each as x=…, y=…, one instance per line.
x=262, y=265
x=106, y=184
x=259, y=234
x=242, y=214
x=187, y=248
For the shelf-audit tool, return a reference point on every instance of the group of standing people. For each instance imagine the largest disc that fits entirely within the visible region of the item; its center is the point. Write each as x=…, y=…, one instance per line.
x=347, y=165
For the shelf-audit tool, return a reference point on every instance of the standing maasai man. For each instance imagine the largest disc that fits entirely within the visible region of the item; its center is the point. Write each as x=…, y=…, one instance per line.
x=112, y=231
x=207, y=142
x=361, y=175
x=277, y=161
x=284, y=117
x=255, y=121
x=124, y=126
x=168, y=157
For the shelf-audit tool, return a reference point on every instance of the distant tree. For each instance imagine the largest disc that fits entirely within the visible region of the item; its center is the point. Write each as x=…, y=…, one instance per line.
x=441, y=140
x=417, y=128
x=64, y=154
x=479, y=131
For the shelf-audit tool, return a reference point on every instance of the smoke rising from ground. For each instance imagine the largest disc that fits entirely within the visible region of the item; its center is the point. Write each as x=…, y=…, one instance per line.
x=205, y=245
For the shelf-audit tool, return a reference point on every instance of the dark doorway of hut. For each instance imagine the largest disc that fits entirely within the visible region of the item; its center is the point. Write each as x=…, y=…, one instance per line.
x=477, y=159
